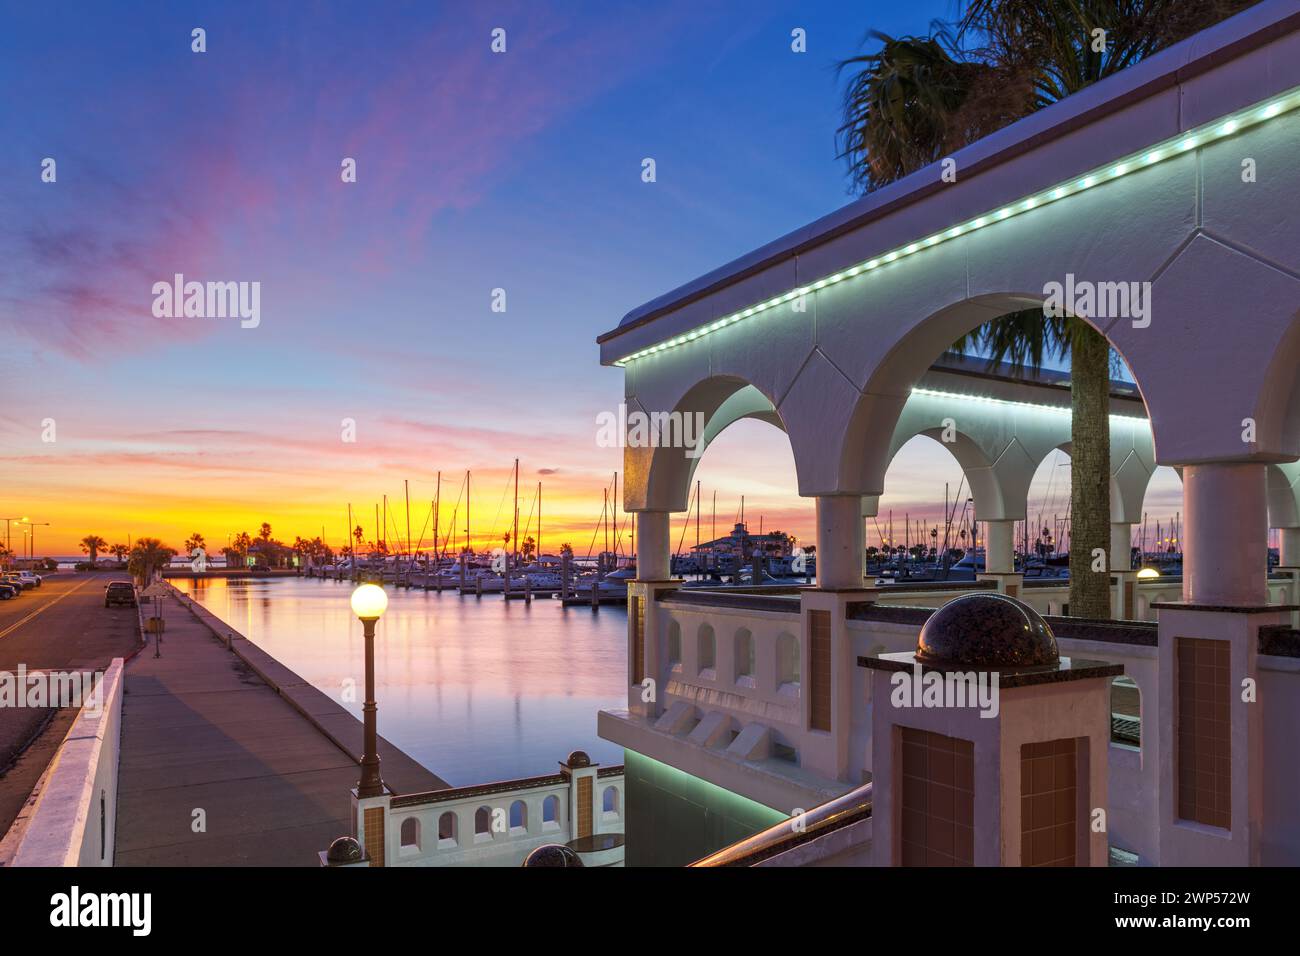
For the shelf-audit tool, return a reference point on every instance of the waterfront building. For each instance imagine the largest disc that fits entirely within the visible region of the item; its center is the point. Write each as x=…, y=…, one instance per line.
x=750, y=713
x=740, y=545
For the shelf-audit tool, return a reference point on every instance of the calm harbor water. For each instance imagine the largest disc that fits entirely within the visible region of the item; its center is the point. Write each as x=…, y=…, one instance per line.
x=476, y=689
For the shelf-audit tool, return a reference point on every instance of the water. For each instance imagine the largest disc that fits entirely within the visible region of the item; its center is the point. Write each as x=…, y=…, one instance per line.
x=477, y=690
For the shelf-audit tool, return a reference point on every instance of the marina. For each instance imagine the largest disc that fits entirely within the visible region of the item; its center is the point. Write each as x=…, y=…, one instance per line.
x=473, y=690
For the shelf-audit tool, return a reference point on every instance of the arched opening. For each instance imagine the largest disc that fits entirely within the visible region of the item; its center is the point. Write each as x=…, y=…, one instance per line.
x=1011, y=416
x=674, y=644
x=518, y=817
x=1125, y=712
x=744, y=657
x=787, y=662
x=742, y=518
x=551, y=813
x=447, y=826
x=482, y=824
x=925, y=518
x=410, y=834
x=707, y=653
x=609, y=802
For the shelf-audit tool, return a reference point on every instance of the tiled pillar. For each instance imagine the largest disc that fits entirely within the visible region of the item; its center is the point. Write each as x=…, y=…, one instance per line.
x=584, y=809
x=1209, y=728
x=370, y=826
x=827, y=668
x=840, y=540
x=646, y=645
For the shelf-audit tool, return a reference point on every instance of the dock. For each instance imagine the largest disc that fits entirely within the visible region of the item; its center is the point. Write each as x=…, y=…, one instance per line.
x=236, y=741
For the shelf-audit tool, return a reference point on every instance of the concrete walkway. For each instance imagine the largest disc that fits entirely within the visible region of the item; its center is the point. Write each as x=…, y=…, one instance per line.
x=267, y=759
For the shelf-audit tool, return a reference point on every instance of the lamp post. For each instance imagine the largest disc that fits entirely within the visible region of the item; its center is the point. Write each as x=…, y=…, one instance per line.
x=34, y=525
x=368, y=603
x=8, y=541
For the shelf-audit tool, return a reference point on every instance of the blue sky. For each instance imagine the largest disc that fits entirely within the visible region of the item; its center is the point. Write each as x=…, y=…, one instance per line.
x=476, y=171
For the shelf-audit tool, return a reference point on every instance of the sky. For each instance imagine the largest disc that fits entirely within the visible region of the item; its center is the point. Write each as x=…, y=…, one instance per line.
x=475, y=171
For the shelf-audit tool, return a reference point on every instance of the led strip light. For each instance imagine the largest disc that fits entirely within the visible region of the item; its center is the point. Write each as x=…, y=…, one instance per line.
x=1208, y=133
x=936, y=393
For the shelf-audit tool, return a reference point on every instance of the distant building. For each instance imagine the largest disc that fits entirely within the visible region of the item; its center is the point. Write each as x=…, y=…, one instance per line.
x=773, y=544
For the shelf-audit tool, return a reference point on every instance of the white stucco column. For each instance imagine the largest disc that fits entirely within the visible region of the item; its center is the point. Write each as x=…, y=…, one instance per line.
x=652, y=546
x=1289, y=552
x=1225, y=534
x=999, y=547
x=1121, y=546
x=839, y=542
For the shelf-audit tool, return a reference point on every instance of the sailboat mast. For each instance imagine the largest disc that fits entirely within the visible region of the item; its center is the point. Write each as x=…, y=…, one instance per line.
x=437, y=504
x=407, y=483
x=539, y=520
x=697, y=519
x=515, y=538
x=467, y=537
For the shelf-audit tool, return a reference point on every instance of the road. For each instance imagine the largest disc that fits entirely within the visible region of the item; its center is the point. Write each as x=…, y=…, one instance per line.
x=62, y=625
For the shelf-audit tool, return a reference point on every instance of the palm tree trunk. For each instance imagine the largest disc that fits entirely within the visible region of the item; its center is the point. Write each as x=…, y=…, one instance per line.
x=1089, y=472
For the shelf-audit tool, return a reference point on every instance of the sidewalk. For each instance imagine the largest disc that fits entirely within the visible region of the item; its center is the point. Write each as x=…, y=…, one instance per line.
x=202, y=731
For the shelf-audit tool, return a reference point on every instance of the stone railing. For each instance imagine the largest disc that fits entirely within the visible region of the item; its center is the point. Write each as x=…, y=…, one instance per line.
x=499, y=824
x=71, y=822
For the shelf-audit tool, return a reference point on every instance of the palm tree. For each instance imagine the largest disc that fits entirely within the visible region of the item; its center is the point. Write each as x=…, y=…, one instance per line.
x=119, y=551
x=242, y=543
x=194, y=541
x=265, y=531
x=918, y=98
x=92, y=544
x=147, y=557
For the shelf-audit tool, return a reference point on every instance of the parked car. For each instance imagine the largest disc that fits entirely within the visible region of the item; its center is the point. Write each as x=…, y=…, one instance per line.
x=8, y=591
x=259, y=568
x=121, y=593
x=12, y=577
x=30, y=576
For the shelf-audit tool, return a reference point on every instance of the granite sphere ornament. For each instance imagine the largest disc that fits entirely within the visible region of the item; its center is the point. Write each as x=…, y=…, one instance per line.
x=552, y=854
x=988, y=630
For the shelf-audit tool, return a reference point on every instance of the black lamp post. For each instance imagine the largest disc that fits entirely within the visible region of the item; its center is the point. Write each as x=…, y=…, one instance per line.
x=368, y=603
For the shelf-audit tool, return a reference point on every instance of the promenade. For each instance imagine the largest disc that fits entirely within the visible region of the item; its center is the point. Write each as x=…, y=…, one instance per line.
x=231, y=759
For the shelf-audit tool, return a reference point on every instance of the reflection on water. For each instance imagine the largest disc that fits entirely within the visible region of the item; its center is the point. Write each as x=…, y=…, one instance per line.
x=477, y=690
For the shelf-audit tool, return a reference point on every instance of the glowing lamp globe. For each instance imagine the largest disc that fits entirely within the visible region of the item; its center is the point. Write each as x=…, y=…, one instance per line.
x=1147, y=574
x=369, y=602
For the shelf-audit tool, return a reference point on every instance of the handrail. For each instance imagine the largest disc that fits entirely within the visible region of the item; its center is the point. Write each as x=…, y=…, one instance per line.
x=834, y=814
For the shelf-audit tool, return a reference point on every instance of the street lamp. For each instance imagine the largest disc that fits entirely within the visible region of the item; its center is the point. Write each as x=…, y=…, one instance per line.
x=34, y=525
x=368, y=603
x=8, y=542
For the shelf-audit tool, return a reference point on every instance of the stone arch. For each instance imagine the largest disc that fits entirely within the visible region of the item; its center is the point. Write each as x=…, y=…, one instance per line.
x=1284, y=495
x=888, y=392
x=659, y=478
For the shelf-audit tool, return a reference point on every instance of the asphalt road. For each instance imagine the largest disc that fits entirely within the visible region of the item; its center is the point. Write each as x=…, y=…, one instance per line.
x=62, y=625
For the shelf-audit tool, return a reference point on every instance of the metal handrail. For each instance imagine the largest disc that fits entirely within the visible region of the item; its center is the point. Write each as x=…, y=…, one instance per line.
x=834, y=814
